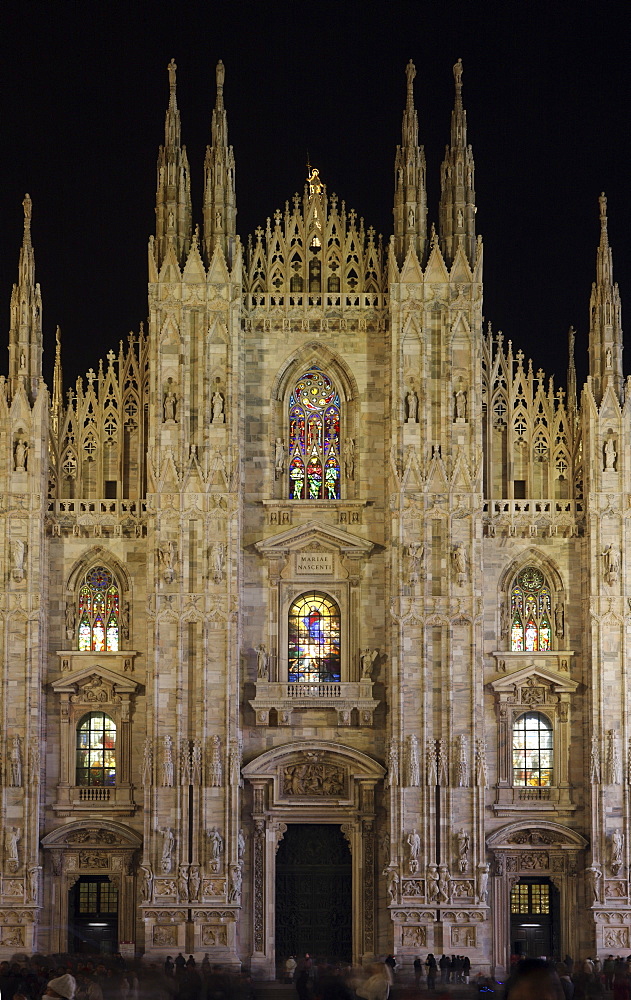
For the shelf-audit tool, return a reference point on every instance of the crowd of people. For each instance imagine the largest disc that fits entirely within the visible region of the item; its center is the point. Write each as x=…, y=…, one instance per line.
x=75, y=977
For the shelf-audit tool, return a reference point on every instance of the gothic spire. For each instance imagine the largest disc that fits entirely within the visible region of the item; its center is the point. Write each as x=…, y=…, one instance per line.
x=571, y=372
x=57, y=398
x=605, y=327
x=457, y=201
x=25, y=334
x=410, y=196
x=173, y=196
x=220, y=211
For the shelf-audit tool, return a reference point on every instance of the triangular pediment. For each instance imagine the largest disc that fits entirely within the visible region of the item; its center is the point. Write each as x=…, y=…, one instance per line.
x=507, y=681
x=80, y=680
x=303, y=535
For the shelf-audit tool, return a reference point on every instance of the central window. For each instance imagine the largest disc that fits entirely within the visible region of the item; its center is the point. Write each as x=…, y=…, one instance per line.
x=532, y=750
x=314, y=438
x=96, y=750
x=314, y=639
x=99, y=612
x=531, y=628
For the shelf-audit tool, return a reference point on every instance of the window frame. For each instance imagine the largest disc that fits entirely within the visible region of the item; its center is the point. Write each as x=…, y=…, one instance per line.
x=90, y=716
x=548, y=727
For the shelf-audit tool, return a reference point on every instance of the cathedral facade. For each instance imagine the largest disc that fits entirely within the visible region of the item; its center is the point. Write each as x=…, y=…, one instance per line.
x=315, y=606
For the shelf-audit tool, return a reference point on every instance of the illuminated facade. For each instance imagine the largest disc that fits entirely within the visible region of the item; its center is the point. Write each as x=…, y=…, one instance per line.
x=315, y=598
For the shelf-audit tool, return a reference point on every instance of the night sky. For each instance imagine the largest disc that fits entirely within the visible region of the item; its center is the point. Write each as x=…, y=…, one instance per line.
x=84, y=90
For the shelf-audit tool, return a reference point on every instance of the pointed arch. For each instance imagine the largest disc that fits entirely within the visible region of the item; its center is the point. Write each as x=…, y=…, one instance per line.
x=97, y=555
x=531, y=556
x=310, y=354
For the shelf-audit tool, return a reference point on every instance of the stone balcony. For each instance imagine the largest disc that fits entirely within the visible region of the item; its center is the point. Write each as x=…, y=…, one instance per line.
x=343, y=697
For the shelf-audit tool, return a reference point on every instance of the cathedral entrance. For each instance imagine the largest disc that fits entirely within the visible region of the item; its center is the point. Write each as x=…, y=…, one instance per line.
x=534, y=918
x=314, y=893
x=93, y=912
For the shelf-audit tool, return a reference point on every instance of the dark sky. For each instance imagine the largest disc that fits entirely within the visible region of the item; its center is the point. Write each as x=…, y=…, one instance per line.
x=84, y=89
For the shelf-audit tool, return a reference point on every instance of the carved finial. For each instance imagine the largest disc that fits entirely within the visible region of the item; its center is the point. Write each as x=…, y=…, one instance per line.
x=314, y=182
x=221, y=76
x=410, y=72
x=27, y=205
x=58, y=341
x=172, y=68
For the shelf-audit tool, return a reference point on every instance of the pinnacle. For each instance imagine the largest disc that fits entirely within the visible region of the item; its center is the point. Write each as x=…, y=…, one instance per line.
x=27, y=205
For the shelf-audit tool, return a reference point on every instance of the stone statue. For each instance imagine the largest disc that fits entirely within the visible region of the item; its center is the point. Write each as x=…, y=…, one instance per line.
x=18, y=550
x=415, y=554
x=594, y=879
x=182, y=883
x=218, y=560
x=483, y=882
x=349, y=457
x=240, y=846
x=431, y=880
x=71, y=619
x=262, y=663
x=610, y=455
x=21, y=454
x=12, y=839
x=194, y=882
x=146, y=884
x=464, y=843
x=279, y=458
x=32, y=886
x=461, y=404
x=444, y=893
x=393, y=886
x=170, y=403
x=216, y=844
x=234, y=892
x=412, y=403
x=168, y=843
x=218, y=414
x=414, y=849
x=608, y=358
x=367, y=660
x=611, y=558
x=166, y=556
x=459, y=559
x=16, y=762
x=617, y=847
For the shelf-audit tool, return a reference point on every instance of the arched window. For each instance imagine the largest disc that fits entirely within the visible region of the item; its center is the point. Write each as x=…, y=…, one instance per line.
x=532, y=750
x=96, y=750
x=314, y=438
x=99, y=612
x=531, y=614
x=314, y=639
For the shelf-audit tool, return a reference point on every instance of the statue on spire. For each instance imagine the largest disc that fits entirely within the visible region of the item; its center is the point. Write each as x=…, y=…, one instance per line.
x=221, y=75
x=458, y=73
x=27, y=205
x=410, y=72
x=172, y=68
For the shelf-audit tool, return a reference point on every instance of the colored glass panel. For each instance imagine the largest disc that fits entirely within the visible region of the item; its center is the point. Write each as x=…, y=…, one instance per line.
x=531, y=603
x=314, y=438
x=532, y=750
x=96, y=750
x=99, y=612
x=314, y=639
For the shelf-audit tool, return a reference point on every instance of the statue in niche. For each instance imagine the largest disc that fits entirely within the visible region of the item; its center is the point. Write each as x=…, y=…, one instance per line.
x=410, y=218
x=617, y=847
x=459, y=559
x=168, y=843
x=393, y=886
x=608, y=358
x=218, y=414
x=412, y=406
x=146, y=884
x=234, y=892
x=611, y=558
x=71, y=618
x=610, y=455
x=461, y=403
x=483, y=882
x=32, y=886
x=18, y=550
x=464, y=843
x=170, y=403
x=444, y=893
x=262, y=663
x=182, y=883
x=415, y=554
x=414, y=849
x=21, y=454
x=216, y=845
x=194, y=882
x=367, y=660
x=16, y=762
x=279, y=458
x=218, y=559
x=12, y=839
x=166, y=556
x=594, y=876
x=431, y=880
x=240, y=846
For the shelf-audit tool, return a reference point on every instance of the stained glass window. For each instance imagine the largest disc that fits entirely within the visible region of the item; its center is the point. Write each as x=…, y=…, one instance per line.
x=531, y=612
x=532, y=750
x=530, y=898
x=99, y=612
x=314, y=438
x=96, y=750
x=314, y=639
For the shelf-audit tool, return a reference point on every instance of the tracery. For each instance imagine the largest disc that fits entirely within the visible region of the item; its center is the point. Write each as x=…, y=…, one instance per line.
x=314, y=438
x=531, y=611
x=99, y=612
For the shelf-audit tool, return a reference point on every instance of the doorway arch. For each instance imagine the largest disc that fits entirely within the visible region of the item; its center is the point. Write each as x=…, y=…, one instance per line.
x=307, y=783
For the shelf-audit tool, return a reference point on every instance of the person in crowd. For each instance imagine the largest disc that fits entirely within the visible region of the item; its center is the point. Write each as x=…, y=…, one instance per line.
x=432, y=968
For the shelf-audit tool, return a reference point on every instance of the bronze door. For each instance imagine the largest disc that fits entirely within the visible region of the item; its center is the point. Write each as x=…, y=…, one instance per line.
x=313, y=893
